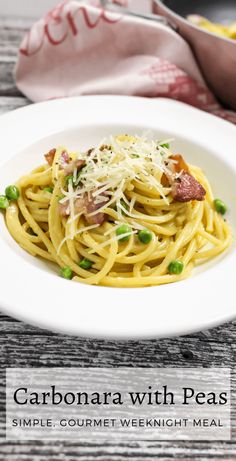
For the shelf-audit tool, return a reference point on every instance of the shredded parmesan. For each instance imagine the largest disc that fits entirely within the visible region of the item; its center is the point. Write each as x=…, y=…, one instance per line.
x=111, y=168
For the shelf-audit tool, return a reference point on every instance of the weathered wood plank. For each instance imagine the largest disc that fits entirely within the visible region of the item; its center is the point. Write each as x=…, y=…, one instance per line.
x=138, y=451
x=225, y=333
x=8, y=103
x=59, y=350
x=48, y=350
x=7, y=83
x=12, y=32
x=10, y=39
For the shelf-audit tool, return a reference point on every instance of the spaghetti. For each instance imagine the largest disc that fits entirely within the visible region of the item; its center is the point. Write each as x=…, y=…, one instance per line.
x=127, y=213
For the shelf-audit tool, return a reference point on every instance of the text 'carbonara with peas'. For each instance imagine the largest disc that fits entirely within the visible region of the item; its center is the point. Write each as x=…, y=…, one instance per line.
x=126, y=213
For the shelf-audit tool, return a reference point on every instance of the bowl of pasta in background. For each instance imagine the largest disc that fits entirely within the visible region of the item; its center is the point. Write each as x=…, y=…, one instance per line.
x=216, y=55
x=31, y=289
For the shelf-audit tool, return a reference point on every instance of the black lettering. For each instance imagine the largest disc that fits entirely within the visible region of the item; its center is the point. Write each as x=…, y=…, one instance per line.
x=98, y=422
x=45, y=395
x=168, y=395
x=16, y=396
x=188, y=394
x=223, y=398
x=71, y=422
x=200, y=396
x=125, y=422
x=69, y=398
x=158, y=394
x=27, y=422
x=117, y=400
x=95, y=400
x=80, y=396
x=149, y=394
x=211, y=398
x=55, y=395
x=34, y=398
x=106, y=400
x=197, y=422
x=137, y=397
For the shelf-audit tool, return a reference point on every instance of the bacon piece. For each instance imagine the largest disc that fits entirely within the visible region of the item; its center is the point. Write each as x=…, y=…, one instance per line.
x=88, y=205
x=91, y=206
x=50, y=156
x=80, y=205
x=186, y=188
x=165, y=181
x=64, y=208
x=80, y=164
x=74, y=164
x=65, y=157
x=180, y=164
x=177, y=167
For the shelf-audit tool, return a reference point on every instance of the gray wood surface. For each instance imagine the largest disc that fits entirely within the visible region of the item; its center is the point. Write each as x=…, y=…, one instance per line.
x=22, y=345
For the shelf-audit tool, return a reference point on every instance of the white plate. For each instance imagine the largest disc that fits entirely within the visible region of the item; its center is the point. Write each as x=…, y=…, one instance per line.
x=32, y=291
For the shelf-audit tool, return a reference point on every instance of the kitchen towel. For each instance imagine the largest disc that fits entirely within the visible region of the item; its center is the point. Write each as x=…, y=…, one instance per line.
x=80, y=48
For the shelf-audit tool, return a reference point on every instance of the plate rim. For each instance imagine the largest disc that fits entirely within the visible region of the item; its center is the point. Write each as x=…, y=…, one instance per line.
x=108, y=330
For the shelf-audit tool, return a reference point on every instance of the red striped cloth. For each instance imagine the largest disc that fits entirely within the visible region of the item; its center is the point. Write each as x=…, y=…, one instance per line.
x=78, y=48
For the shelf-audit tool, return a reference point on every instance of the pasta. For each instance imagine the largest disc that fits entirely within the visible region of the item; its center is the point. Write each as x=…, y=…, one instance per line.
x=224, y=30
x=126, y=213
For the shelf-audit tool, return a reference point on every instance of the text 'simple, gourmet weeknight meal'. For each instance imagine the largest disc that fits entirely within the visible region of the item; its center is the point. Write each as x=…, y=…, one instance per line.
x=127, y=213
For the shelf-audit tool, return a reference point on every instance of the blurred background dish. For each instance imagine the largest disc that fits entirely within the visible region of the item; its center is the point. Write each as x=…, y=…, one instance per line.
x=224, y=30
x=216, y=54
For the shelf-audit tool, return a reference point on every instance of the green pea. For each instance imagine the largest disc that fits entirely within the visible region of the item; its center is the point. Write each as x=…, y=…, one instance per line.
x=123, y=229
x=4, y=203
x=85, y=264
x=12, y=192
x=145, y=236
x=66, y=273
x=176, y=267
x=166, y=145
x=220, y=206
x=48, y=189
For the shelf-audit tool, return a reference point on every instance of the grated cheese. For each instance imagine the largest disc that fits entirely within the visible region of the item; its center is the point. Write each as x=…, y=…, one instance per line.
x=112, y=166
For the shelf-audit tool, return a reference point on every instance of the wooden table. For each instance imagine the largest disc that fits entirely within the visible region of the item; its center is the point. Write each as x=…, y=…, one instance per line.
x=24, y=346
